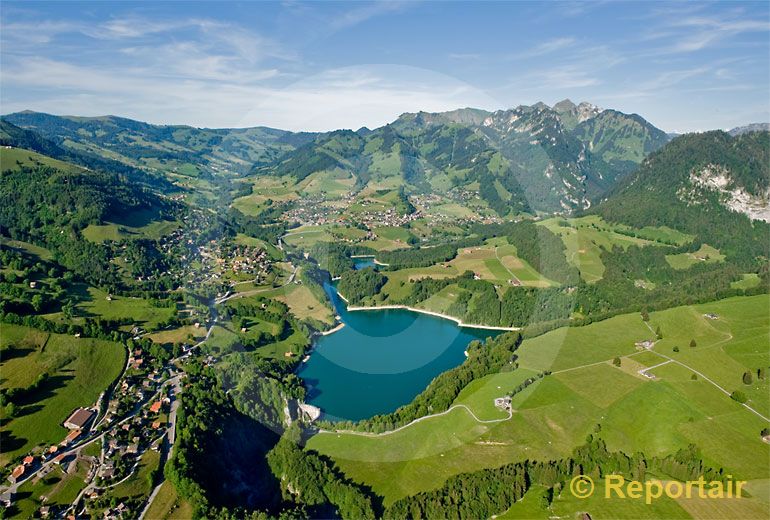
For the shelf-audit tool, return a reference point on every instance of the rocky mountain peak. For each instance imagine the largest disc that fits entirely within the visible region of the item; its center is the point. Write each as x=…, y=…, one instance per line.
x=565, y=105
x=586, y=111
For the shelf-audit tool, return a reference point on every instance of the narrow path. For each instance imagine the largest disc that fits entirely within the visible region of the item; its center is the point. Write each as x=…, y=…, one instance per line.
x=654, y=366
x=420, y=419
x=705, y=377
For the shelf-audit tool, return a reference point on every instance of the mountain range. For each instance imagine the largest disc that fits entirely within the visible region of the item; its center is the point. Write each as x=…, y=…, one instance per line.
x=530, y=158
x=536, y=158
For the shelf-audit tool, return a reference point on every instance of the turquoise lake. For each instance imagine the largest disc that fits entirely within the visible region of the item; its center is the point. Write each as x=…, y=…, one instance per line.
x=380, y=359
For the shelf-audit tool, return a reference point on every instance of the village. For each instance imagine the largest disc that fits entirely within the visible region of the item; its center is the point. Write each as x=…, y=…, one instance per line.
x=133, y=422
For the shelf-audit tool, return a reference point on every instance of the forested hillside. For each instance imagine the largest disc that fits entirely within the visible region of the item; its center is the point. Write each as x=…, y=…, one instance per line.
x=671, y=188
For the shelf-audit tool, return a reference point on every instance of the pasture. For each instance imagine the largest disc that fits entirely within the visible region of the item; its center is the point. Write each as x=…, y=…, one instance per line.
x=554, y=415
x=706, y=254
x=137, y=309
x=586, y=237
x=78, y=370
x=168, y=505
x=144, y=223
x=16, y=158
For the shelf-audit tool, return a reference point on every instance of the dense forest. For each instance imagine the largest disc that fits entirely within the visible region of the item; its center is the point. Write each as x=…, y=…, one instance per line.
x=490, y=492
x=224, y=460
x=358, y=285
x=656, y=194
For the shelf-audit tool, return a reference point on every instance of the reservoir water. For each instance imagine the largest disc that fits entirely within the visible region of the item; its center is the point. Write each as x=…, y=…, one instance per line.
x=380, y=359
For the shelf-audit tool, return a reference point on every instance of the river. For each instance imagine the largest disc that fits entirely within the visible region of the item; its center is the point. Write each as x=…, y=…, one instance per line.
x=380, y=359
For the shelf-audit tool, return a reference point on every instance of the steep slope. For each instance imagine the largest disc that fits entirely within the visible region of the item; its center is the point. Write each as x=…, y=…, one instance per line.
x=570, y=154
x=712, y=185
x=49, y=202
x=531, y=158
x=16, y=137
x=421, y=153
x=180, y=149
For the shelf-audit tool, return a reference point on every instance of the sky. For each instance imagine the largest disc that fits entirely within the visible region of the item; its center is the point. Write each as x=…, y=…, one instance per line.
x=316, y=66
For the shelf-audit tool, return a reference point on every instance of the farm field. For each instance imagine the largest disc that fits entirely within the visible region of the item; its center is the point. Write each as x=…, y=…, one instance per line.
x=40, y=252
x=302, y=302
x=554, y=415
x=748, y=281
x=15, y=158
x=144, y=223
x=497, y=264
x=78, y=371
x=178, y=335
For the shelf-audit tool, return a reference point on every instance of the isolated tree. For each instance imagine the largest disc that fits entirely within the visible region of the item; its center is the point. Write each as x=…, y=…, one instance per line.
x=676, y=349
x=645, y=315
x=693, y=344
x=658, y=333
x=765, y=432
x=747, y=379
x=694, y=377
x=616, y=361
x=739, y=396
x=760, y=373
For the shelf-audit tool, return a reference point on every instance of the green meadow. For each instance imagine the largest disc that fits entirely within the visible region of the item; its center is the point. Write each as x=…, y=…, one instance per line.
x=15, y=158
x=144, y=223
x=78, y=370
x=555, y=414
x=706, y=254
x=137, y=309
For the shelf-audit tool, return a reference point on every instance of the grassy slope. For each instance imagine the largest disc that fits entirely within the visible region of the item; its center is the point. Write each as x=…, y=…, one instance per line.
x=167, y=505
x=139, y=310
x=555, y=414
x=79, y=370
x=585, y=238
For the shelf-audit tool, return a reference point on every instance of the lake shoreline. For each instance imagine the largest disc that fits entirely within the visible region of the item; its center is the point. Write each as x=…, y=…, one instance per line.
x=459, y=322
x=374, y=259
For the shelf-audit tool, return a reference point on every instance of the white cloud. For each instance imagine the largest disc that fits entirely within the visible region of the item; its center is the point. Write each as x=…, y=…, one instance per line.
x=340, y=98
x=365, y=11
x=547, y=47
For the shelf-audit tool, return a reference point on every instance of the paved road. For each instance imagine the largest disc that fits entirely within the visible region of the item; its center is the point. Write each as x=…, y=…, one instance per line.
x=171, y=437
x=423, y=418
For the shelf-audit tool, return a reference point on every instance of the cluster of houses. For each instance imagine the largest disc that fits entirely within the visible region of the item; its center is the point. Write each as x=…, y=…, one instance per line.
x=390, y=218
x=311, y=211
x=249, y=260
x=76, y=423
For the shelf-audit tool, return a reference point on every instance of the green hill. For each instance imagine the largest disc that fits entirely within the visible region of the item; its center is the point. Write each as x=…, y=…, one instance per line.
x=531, y=158
x=710, y=185
x=178, y=149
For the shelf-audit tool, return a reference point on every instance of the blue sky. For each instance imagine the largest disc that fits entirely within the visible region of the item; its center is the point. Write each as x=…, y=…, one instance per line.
x=324, y=65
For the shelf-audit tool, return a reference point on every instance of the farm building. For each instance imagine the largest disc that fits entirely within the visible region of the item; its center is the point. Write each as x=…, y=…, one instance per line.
x=79, y=419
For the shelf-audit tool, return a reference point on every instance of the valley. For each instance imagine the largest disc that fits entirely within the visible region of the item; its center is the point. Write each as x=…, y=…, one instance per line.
x=360, y=324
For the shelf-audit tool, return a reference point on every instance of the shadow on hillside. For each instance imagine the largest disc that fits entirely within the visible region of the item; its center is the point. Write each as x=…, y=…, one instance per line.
x=46, y=390
x=10, y=442
x=238, y=473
